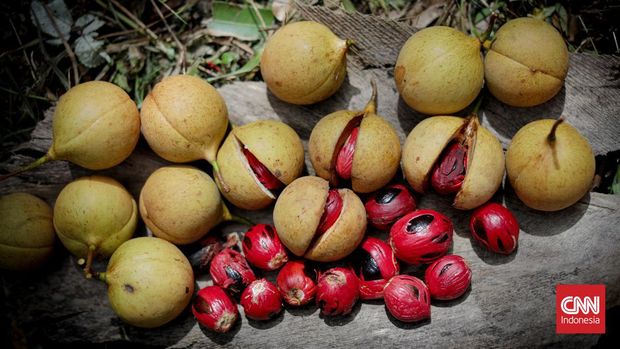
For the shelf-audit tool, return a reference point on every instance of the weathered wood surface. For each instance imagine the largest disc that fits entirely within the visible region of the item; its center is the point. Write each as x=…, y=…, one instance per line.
x=511, y=302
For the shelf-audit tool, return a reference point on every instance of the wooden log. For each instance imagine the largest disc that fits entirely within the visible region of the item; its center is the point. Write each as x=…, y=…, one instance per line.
x=512, y=300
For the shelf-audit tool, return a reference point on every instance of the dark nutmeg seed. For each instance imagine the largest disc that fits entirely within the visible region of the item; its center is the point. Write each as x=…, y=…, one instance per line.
x=419, y=224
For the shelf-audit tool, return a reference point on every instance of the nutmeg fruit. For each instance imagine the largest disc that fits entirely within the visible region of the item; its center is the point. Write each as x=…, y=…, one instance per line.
x=304, y=62
x=256, y=161
x=356, y=146
x=454, y=156
x=318, y=223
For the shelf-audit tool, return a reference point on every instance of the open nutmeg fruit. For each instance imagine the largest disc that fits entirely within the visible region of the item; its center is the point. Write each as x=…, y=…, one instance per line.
x=454, y=156
x=319, y=223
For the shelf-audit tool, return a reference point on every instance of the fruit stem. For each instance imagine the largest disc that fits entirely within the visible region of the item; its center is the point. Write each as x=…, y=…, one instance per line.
x=101, y=276
x=477, y=104
x=551, y=136
x=88, y=273
x=371, y=107
x=216, y=172
x=40, y=161
x=489, y=30
x=229, y=217
x=349, y=42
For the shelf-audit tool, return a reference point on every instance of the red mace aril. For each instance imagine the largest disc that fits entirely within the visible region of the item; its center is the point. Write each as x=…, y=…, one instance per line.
x=262, y=247
x=407, y=298
x=449, y=171
x=495, y=227
x=215, y=309
x=387, y=205
x=267, y=179
x=333, y=208
x=230, y=270
x=261, y=300
x=376, y=264
x=421, y=236
x=337, y=291
x=296, y=283
x=344, y=162
x=448, y=277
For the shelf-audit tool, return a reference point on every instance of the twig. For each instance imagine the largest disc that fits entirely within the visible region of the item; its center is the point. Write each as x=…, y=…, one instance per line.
x=136, y=20
x=68, y=49
x=181, y=60
x=19, y=41
x=47, y=57
x=260, y=17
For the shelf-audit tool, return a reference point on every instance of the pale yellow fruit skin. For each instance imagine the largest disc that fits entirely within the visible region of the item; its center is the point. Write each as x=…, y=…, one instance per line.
x=26, y=232
x=527, y=62
x=549, y=178
x=150, y=282
x=485, y=171
x=377, y=155
x=323, y=139
x=424, y=145
x=485, y=167
x=439, y=70
x=184, y=119
x=297, y=215
x=275, y=145
x=96, y=125
x=304, y=63
x=342, y=238
x=94, y=211
x=180, y=204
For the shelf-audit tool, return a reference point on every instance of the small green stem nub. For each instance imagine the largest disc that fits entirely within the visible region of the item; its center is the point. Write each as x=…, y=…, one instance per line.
x=551, y=137
x=88, y=273
x=40, y=161
x=229, y=217
x=478, y=103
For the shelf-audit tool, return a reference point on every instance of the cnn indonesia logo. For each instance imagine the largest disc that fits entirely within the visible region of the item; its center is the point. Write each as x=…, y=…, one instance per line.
x=580, y=308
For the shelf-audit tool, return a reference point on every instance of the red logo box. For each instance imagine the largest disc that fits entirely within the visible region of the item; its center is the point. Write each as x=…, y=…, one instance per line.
x=579, y=309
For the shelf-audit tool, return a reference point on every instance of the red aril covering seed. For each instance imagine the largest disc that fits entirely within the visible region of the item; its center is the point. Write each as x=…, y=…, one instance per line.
x=344, y=162
x=263, y=174
x=215, y=309
x=495, y=227
x=296, y=286
x=333, y=207
x=230, y=270
x=385, y=206
x=448, y=277
x=262, y=247
x=407, y=298
x=261, y=300
x=376, y=264
x=337, y=291
x=421, y=236
x=449, y=171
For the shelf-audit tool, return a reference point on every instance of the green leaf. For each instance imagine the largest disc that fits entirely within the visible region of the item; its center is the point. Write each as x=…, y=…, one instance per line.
x=248, y=67
x=561, y=11
x=228, y=57
x=615, y=185
x=348, y=6
x=238, y=21
x=89, y=23
x=548, y=11
x=60, y=16
x=88, y=50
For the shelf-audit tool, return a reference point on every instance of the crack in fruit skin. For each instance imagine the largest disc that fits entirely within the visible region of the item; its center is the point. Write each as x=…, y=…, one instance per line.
x=263, y=174
x=344, y=162
x=333, y=208
x=449, y=171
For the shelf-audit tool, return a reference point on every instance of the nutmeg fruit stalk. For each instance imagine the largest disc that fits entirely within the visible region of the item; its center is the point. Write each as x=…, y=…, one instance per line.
x=495, y=228
x=359, y=147
x=337, y=291
x=448, y=278
x=93, y=216
x=26, y=232
x=318, y=223
x=184, y=119
x=215, y=309
x=262, y=247
x=296, y=283
x=387, y=205
x=167, y=210
x=96, y=125
x=231, y=271
x=407, y=298
x=256, y=161
x=261, y=300
x=376, y=263
x=304, y=62
x=550, y=165
x=454, y=156
x=421, y=236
